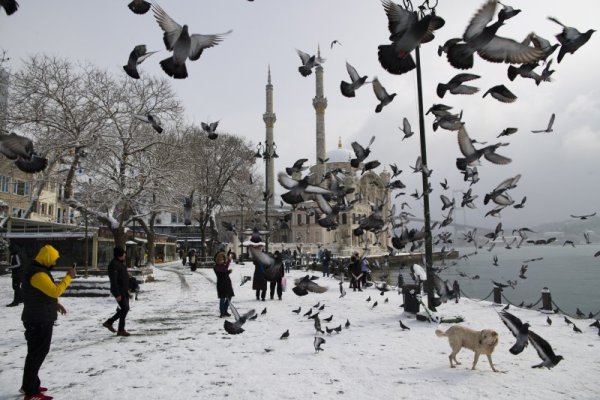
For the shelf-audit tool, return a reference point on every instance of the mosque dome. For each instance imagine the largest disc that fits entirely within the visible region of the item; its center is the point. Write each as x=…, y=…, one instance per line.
x=340, y=154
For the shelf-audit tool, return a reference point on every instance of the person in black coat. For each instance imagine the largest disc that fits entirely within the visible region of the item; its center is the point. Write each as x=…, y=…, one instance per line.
x=277, y=281
x=355, y=272
x=119, y=288
x=224, y=286
x=16, y=275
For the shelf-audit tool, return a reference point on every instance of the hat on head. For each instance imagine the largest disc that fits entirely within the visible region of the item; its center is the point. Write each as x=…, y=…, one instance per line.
x=47, y=256
x=255, y=239
x=118, y=251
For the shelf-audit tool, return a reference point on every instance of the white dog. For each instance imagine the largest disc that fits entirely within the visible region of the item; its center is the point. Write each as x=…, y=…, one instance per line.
x=481, y=342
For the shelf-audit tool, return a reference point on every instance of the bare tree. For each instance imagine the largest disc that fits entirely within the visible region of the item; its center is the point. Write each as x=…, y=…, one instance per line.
x=215, y=169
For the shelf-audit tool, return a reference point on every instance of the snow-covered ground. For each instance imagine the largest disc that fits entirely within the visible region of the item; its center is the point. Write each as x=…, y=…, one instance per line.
x=178, y=348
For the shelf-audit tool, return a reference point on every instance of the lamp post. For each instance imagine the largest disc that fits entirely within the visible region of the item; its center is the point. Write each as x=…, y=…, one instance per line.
x=267, y=152
x=242, y=197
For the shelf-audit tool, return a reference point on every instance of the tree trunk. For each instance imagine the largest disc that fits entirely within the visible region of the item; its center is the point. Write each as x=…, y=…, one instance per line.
x=119, y=236
x=71, y=175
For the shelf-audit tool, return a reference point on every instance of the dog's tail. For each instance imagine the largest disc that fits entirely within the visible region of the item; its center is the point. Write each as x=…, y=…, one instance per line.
x=440, y=333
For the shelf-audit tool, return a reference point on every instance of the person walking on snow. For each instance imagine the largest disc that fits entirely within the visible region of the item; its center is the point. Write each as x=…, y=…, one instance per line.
x=16, y=275
x=119, y=288
x=40, y=311
x=224, y=286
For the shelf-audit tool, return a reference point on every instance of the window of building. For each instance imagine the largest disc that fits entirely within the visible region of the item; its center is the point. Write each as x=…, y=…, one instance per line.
x=299, y=219
x=18, y=212
x=173, y=218
x=158, y=221
x=307, y=219
x=344, y=218
x=43, y=208
x=21, y=188
x=51, y=209
x=4, y=184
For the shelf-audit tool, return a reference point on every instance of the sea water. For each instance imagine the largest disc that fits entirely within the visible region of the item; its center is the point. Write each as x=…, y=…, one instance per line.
x=572, y=275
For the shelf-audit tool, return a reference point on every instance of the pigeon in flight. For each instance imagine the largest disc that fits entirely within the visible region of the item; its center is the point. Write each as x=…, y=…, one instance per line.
x=20, y=150
x=472, y=155
x=544, y=350
x=519, y=330
x=245, y=279
x=480, y=38
x=501, y=93
x=305, y=285
x=348, y=89
x=549, y=128
x=570, y=39
x=455, y=85
x=285, y=335
x=583, y=217
x=234, y=328
x=407, y=32
x=308, y=62
x=297, y=167
x=139, y=6
x=507, y=12
x=334, y=42
x=382, y=95
x=10, y=6
x=297, y=188
x=183, y=45
x=360, y=152
x=318, y=342
x=210, y=129
x=406, y=129
x=136, y=57
x=150, y=119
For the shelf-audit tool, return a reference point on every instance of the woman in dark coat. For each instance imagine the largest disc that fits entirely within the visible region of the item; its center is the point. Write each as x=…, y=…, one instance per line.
x=224, y=286
x=259, y=281
x=355, y=272
x=277, y=282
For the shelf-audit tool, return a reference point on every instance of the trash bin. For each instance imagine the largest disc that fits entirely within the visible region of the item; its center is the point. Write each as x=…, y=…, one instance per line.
x=411, y=302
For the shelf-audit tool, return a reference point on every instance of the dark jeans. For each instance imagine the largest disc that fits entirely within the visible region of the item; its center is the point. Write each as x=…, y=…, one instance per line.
x=272, y=288
x=261, y=293
x=325, y=269
x=121, y=313
x=223, y=305
x=39, y=337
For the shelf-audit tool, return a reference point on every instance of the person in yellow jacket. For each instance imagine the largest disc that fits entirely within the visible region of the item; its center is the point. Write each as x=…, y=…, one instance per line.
x=40, y=310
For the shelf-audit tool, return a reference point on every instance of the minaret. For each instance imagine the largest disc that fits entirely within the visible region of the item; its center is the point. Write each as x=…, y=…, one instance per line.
x=320, y=104
x=269, y=118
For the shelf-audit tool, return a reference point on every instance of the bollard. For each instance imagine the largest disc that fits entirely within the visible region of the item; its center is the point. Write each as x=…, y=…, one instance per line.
x=497, y=295
x=546, y=299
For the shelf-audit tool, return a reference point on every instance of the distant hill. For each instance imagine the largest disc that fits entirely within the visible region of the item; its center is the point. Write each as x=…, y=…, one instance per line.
x=573, y=228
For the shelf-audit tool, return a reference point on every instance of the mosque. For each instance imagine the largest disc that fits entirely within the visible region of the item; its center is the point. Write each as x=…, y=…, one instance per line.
x=300, y=229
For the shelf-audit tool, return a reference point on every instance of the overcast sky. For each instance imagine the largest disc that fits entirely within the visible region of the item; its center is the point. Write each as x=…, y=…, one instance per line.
x=559, y=170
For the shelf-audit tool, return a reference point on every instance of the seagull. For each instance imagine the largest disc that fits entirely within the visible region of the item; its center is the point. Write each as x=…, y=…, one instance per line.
x=549, y=128
x=583, y=217
x=501, y=93
x=234, y=328
x=210, y=129
x=570, y=39
x=544, y=350
x=517, y=328
x=382, y=95
x=404, y=327
x=308, y=62
x=178, y=40
x=150, y=119
x=455, y=85
x=318, y=342
x=139, y=6
x=136, y=57
x=348, y=89
x=20, y=150
x=481, y=38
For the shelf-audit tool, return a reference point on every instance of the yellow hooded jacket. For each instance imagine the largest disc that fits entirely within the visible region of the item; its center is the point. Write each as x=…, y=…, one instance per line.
x=47, y=256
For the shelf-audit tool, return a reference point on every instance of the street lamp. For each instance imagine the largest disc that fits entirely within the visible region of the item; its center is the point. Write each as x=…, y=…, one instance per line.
x=242, y=197
x=267, y=152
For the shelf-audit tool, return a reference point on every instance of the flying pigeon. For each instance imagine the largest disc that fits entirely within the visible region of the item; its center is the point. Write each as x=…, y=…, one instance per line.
x=382, y=95
x=549, y=128
x=406, y=129
x=20, y=149
x=334, y=42
x=517, y=328
x=245, y=279
x=544, y=350
x=407, y=32
x=472, y=155
x=139, y=6
x=480, y=38
x=178, y=40
x=507, y=12
x=507, y=132
x=210, y=129
x=318, y=342
x=150, y=119
x=501, y=93
x=297, y=188
x=297, y=167
x=234, y=328
x=10, y=6
x=136, y=57
x=455, y=85
x=305, y=285
x=360, y=152
x=308, y=62
x=348, y=89
x=570, y=39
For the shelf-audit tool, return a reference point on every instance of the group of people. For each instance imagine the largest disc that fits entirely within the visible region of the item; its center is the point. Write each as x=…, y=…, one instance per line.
x=358, y=270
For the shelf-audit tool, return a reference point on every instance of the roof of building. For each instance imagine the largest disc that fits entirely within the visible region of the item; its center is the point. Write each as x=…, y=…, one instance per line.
x=340, y=154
